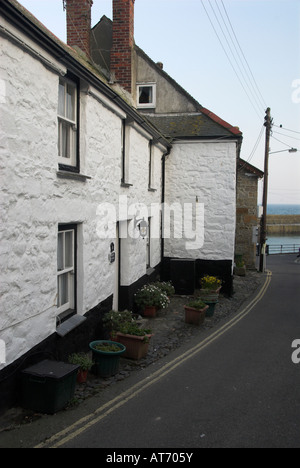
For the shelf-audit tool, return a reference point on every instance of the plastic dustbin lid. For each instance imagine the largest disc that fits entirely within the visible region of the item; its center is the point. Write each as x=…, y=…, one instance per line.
x=51, y=369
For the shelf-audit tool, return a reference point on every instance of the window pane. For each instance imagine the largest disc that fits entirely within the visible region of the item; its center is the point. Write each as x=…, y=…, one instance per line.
x=70, y=114
x=65, y=139
x=145, y=95
x=61, y=99
x=69, y=249
x=63, y=290
x=60, y=250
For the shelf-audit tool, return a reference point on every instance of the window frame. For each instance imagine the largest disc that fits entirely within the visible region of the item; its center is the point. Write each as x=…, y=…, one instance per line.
x=150, y=105
x=125, y=150
x=151, y=166
x=148, y=246
x=66, y=310
x=72, y=163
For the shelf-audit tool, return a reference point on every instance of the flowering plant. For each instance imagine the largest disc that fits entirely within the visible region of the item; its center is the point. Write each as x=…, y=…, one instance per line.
x=166, y=287
x=210, y=282
x=114, y=320
x=150, y=295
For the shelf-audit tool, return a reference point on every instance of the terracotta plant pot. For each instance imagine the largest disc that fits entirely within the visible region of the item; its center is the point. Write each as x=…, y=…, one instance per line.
x=82, y=376
x=150, y=311
x=195, y=316
x=136, y=346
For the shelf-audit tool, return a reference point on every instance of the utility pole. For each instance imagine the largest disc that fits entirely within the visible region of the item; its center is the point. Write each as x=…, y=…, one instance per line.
x=263, y=230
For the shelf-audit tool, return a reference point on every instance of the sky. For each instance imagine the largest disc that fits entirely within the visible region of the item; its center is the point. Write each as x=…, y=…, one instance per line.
x=235, y=57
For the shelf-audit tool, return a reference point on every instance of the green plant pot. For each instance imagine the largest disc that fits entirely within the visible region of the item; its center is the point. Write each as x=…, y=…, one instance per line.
x=106, y=362
x=209, y=294
x=211, y=308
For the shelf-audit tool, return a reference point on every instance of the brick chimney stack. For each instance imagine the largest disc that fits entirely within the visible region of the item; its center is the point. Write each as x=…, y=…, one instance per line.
x=123, y=42
x=79, y=23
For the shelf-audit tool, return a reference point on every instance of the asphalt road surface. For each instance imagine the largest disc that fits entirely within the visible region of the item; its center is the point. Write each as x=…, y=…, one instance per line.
x=241, y=389
x=238, y=387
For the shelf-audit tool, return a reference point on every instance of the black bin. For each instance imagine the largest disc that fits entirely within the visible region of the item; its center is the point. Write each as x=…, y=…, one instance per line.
x=183, y=276
x=48, y=386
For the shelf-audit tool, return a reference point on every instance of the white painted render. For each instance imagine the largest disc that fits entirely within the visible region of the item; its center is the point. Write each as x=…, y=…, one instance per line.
x=204, y=173
x=35, y=199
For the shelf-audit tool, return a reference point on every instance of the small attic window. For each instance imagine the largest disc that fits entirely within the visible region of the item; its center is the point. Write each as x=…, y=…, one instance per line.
x=146, y=95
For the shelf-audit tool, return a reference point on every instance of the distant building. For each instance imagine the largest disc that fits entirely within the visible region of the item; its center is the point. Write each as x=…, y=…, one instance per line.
x=246, y=212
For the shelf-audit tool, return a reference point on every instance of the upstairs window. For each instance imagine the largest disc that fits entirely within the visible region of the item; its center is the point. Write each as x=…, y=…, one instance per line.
x=67, y=124
x=146, y=95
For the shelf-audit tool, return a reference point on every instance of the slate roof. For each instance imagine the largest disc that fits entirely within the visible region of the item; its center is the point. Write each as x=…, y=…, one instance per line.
x=202, y=124
x=192, y=125
x=247, y=167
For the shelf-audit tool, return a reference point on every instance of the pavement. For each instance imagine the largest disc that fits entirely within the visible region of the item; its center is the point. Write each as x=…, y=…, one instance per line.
x=170, y=333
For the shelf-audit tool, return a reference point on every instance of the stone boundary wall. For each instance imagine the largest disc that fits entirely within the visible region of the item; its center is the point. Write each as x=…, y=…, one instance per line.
x=283, y=224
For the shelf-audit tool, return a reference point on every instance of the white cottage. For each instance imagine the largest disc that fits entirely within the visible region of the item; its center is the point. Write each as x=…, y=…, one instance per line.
x=76, y=163
x=200, y=172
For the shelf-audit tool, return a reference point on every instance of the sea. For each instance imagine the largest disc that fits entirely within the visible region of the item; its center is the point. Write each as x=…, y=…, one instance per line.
x=292, y=240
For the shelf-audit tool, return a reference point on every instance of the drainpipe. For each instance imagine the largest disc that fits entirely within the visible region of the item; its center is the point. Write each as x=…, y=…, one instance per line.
x=163, y=191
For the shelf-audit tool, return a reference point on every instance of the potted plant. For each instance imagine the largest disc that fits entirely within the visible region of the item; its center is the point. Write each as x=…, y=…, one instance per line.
x=85, y=363
x=239, y=267
x=106, y=355
x=210, y=288
x=114, y=320
x=150, y=298
x=135, y=339
x=195, y=312
x=166, y=287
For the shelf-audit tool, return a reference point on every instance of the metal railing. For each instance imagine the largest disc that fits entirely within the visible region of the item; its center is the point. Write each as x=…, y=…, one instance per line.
x=279, y=249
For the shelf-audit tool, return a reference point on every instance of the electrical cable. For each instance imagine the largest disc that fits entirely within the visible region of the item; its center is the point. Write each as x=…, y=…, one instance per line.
x=288, y=130
x=245, y=59
x=243, y=71
x=258, y=112
x=287, y=136
x=281, y=142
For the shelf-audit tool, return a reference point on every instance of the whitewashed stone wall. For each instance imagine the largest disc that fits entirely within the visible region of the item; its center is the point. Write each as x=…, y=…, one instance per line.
x=204, y=173
x=34, y=200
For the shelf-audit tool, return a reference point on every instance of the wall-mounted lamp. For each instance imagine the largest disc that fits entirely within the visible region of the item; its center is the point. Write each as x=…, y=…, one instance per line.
x=142, y=225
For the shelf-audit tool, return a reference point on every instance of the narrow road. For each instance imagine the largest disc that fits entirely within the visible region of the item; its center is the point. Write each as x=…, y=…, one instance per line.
x=239, y=390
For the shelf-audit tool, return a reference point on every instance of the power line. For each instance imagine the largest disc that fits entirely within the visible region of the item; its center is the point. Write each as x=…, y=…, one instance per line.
x=288, y=130
x=281, y=141
x=256, y=144
x=287, y=136
x=243, y=70
x=245, y=59
x=255, y=104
